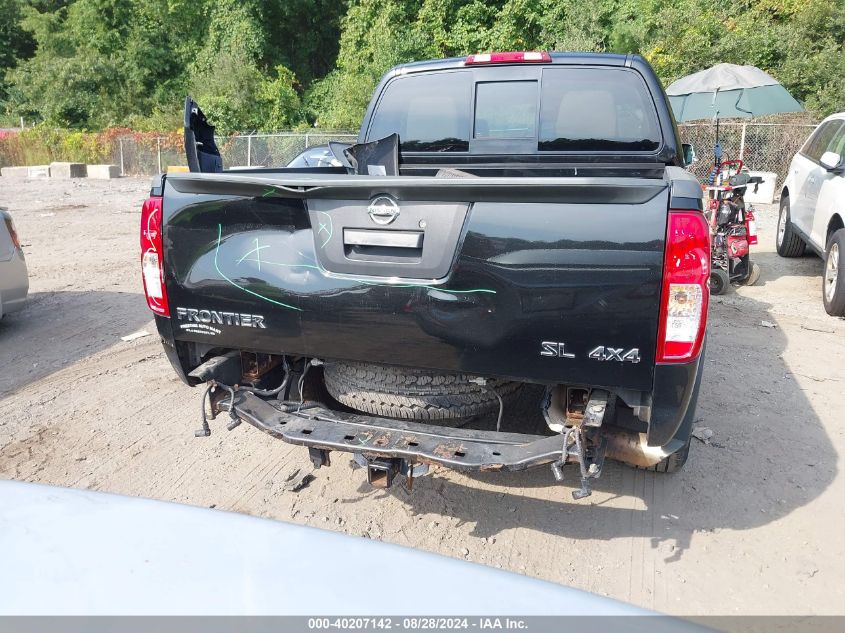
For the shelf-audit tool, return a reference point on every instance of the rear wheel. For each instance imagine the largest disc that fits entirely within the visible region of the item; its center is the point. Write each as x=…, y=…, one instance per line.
x=719, y=281
x=675, y=461
x=833, y=279
x=754, y=275
x=788, y=242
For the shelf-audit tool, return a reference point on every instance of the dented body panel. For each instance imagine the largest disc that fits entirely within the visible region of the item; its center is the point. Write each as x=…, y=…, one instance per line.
x=516, y=274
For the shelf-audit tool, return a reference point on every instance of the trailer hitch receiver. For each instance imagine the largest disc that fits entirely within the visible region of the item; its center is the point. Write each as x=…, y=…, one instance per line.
x=380, y=472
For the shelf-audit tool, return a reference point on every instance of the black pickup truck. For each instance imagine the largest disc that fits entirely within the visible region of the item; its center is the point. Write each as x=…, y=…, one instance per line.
x=510, y=268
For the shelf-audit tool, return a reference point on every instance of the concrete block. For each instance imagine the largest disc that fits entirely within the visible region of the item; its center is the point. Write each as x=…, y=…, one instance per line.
x=68, y=170
x=14, y=172
x=103, y=172
x=38, y=171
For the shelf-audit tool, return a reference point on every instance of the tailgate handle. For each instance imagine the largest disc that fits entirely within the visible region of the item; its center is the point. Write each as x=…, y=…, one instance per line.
x=389, y=239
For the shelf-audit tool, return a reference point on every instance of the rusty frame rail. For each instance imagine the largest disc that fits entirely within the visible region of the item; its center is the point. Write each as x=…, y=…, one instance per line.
x=462, y=449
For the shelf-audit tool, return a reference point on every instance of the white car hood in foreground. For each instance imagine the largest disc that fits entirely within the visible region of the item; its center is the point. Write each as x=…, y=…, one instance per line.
x=80, y=552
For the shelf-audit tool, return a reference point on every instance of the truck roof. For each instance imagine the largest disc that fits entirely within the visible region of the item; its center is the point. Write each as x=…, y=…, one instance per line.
x=575, y=59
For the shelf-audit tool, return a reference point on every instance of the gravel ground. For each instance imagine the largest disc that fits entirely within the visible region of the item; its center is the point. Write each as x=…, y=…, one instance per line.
x=751, y=526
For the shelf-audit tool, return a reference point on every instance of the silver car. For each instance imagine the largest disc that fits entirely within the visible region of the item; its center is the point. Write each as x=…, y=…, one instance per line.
x=315, y=156
x=117, y=555
x=14, y=282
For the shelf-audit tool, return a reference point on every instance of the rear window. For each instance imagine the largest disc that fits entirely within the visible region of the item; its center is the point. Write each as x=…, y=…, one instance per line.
x=580, y=110
x=505, y=109
x=430, y=112
x=596, y=110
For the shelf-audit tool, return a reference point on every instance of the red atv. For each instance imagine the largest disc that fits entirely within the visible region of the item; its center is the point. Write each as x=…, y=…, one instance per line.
x=732, y=227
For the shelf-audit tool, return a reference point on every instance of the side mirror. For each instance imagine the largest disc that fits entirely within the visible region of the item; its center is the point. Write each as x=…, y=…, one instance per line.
x=831, y=161
x=689, y=154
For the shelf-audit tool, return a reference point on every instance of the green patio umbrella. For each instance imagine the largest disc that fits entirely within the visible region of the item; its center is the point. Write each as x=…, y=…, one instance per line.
x=728, y=91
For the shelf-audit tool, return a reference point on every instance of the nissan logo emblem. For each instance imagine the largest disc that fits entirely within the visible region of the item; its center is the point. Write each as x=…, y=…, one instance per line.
x=383, y=210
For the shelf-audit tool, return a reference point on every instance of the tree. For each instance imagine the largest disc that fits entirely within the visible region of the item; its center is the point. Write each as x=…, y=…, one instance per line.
x=259, y=64
x=376, y=34
x=15, y=43
x=107, y=62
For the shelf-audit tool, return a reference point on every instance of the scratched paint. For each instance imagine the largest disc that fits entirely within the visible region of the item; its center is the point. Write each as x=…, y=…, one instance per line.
x=327, y=227
x=257, y=251
x=237, y=285
x=254, y=256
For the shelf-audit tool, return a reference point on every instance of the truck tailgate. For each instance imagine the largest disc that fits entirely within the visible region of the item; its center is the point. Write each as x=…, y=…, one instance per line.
x=512, y=277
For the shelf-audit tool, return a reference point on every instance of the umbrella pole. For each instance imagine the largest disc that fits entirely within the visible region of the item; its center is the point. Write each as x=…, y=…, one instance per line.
x=716, y=148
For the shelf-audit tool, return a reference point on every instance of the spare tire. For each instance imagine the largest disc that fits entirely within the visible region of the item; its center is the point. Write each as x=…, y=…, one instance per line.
x=414, y=394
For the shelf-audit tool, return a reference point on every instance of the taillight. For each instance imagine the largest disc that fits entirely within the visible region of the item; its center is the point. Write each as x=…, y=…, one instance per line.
x=10, y=226
x=508, y=58
x=686, y=291
x=152, y=257
x=751, y=227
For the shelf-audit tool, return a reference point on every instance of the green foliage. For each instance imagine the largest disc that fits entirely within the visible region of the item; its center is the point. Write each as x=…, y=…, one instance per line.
x=376, y=36
x=800, y=42
x=15, y=42
x=236, y=95
x=279, y=102
x=66, y=92
x=259, y=65
x=226, y=89
x=227, y=78
x=303, y=35
x=44, y=144
x=96, y=63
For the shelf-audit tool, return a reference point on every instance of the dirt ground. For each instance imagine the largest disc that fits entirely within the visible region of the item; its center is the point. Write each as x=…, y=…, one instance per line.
x=753, y=525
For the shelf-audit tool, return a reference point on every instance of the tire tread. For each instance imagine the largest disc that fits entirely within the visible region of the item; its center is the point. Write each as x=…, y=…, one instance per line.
x=412, y=394
x=835, y=307
x=672, y=464
x=792, y=245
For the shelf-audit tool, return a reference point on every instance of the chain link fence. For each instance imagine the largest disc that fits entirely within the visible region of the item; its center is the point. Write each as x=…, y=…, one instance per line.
x=145, y=158
x=761, y=146
x=274, y=150
x=141, y=158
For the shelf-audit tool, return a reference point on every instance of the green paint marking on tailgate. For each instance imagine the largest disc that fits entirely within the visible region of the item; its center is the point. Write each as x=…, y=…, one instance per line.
x=238, y=286
x=259, y=261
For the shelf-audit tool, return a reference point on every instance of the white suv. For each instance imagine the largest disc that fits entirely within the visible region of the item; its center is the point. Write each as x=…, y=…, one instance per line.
x=812, y=207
